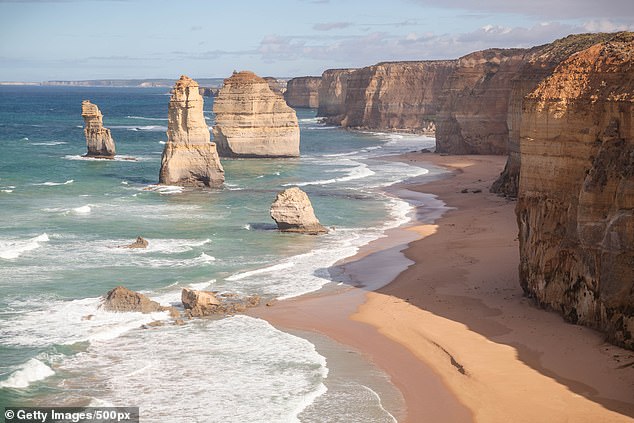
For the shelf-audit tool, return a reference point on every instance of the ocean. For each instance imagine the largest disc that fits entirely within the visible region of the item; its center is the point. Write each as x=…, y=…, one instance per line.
x=62, y=217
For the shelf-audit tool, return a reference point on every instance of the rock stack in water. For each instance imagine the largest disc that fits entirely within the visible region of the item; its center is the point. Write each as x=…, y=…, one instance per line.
x=99, y=142
x=253, y=121
x=189, y=157
x=293, y=212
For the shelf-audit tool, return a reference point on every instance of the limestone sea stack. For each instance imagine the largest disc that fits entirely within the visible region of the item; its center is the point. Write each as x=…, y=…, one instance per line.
x=99, y=142
x=575, y=207
x=293, y=212
x=303, y=92
x=189, y=157
x=253, y=121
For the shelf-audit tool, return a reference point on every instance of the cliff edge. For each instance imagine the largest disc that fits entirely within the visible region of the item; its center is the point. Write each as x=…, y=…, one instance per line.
x=575, y=206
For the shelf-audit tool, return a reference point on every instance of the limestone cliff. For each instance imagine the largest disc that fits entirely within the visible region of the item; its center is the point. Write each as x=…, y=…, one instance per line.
x=400, y=96
x=303, y=92
x=99, y=142
x=189, y=157
x=332, y=94
x=538, y=63
x=253, y=121
x=473, y=116
x=576, y=190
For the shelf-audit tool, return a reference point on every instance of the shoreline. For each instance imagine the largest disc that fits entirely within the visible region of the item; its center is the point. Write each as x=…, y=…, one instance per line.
x=464, y=344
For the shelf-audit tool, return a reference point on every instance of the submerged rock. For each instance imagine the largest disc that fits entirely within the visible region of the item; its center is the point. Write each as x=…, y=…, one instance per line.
x=139, y=243
x=122, y=299
x=189, y=157
x=254, y=121
x=99, y=142
x=293, y=212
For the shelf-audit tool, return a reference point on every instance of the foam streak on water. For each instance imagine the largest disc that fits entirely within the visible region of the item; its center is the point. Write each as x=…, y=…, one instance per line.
x=228, y=370
x=238, y=369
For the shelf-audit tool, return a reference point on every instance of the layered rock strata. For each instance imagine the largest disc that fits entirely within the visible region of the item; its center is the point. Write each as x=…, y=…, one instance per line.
x=189, y=157
x=332, y=94
x=303, y=92
x=400, y=96
x=575, y=206
x=537, y=64
x=99, y=142
x=293, y=212
x=475, y=108
x=253, y=121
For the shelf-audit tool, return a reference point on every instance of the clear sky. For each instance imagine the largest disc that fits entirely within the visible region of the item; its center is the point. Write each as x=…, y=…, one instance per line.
x=106, y=39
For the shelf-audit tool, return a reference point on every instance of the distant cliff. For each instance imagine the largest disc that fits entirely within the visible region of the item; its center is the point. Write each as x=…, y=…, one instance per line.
x=303, y=92
x=575, y=206
x=332, y=94
x=403, y=96
x=472, y=103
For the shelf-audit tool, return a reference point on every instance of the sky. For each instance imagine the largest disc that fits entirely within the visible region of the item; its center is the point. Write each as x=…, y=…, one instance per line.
x=44, y=40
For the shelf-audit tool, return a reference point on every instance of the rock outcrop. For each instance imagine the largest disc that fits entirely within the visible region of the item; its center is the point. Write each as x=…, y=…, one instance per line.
x=293, y=212
x=575, y=206
x=332, y=94
x=99, y=142
x=140, y=242
x=189, y=157
x=253, y=121
x=399, y=96
x=538, y=63
x=303, y=92
x=121, y=299
x=207, y=303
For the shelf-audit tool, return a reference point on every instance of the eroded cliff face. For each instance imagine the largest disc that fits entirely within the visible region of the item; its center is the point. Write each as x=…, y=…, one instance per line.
x=253, y=121
x=538, y=63
x=473, y=117
x=189, y=157
x=99, y=142
x=399, y=96
x=303, y=92
x=332, y=94
x=576, y=190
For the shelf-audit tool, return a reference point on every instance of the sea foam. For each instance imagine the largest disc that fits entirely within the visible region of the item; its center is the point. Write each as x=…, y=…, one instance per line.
x=248, y=372
x=10, y=250
x=31, y=371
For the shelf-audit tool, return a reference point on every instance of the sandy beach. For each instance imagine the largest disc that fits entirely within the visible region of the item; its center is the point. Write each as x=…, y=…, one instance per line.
x=454, y=331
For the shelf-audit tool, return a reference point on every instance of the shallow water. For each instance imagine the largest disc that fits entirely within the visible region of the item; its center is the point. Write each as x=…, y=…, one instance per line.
x=64, y=215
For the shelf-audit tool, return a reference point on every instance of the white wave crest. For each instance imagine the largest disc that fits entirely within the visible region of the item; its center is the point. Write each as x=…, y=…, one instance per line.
x=31, y=371
x=10, y=250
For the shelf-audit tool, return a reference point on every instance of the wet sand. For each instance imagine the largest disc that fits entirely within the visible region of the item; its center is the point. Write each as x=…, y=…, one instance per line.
x=454, y=331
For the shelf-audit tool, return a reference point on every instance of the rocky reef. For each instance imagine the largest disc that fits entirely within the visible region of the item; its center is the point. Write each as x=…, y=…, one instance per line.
x=253, y=121
x=189, y=157
x=99, y=142
x=575, y=207
x=293, y=212
x=122, y=299
x=303, y=92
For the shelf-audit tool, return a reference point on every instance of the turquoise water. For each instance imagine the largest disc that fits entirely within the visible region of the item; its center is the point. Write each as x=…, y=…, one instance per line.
x=62, y=217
